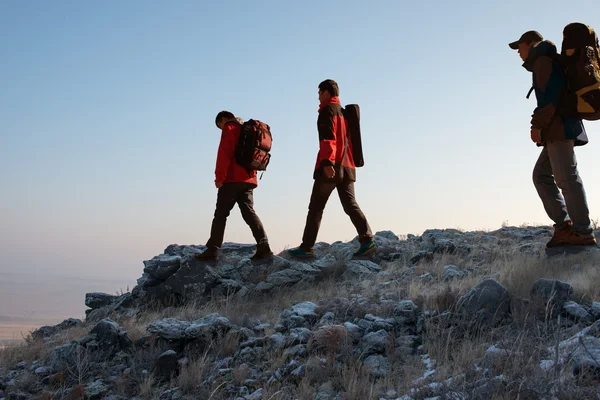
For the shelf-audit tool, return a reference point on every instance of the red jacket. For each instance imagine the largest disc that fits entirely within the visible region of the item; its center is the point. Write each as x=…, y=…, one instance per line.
x=333, y=139
x=227, y=169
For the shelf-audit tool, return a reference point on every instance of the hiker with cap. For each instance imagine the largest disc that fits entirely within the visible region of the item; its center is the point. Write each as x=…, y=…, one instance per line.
x=558, y=135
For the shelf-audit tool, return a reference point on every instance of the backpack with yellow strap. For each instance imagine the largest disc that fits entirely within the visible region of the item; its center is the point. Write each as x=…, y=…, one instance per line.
x=580, y=58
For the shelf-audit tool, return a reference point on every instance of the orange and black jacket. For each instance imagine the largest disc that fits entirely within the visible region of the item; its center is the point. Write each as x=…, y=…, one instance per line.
x=335, y=147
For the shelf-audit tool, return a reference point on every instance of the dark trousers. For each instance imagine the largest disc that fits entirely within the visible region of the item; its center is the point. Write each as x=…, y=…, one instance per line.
x=318, y=200
x=228, y=195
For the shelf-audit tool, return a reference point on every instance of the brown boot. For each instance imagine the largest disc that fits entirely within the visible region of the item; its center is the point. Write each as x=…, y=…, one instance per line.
x=580, y=239
x=262, y=251
x=560, y=233
x=207, y=255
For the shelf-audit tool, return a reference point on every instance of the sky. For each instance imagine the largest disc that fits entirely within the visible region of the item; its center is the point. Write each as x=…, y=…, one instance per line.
x=108, y=141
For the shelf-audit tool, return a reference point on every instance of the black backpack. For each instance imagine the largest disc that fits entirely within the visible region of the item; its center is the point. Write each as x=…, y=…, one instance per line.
x=254, y=145
x=352, y=116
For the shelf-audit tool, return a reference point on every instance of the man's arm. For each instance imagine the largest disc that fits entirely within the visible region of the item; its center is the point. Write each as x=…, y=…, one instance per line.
x=327, y=144
x=549, y=87
x=225, y=154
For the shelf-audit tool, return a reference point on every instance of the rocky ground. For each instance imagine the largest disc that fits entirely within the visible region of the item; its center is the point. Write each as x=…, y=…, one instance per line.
x=444, y=315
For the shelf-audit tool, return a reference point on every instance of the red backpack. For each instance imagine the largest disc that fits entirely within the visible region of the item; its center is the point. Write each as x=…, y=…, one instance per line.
x=254, y=145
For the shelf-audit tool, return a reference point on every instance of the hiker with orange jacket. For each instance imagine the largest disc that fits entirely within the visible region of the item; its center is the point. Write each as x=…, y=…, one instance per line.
x=235, y=185
x=335, y=169
x=558, y=135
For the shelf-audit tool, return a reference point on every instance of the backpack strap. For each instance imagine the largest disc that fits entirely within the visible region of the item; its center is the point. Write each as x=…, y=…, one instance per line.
x=529, y=93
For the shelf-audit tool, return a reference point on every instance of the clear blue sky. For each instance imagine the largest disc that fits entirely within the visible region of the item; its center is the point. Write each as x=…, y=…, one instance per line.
x=108, y=142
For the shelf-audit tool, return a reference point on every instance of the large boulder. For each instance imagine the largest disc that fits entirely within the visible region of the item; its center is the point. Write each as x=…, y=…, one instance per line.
x=486, y=303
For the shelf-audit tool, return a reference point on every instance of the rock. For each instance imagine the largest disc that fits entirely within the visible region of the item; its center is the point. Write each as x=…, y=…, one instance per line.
x=192, y=282
x=375, y=342
x=17, y=396
x=43, y=371
x=378, y=323
x=203, y=328
x=99, y=300
x=286, y=277
x=63, y=356
x=356, y=332
x=551, y=294
x=305, y=310
x=162, y=266
x=96, y=390
x=585, y=360
x=377, y=366
x=452, y=272
x=426, y=277
x=169, y=328
x=48, y=331
x=577, y=312
x=296, y=352
x=486, y=303
x=327, y=319
x=166, y=365
x=21, y=365
x=108, y=334
x=595, y=310
x=328, y=264
x=408, y=310
x=207, y=327
x=256, y=395
x=171, y=394
x=300, y=335
x=420, y=256
x=359, y=269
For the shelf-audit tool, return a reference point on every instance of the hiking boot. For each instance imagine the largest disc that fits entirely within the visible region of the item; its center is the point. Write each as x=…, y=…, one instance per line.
x=262, y=251
x=207, y=255
x=579, y=239
x=300, y=252
x=560, y=233
x=366, y=249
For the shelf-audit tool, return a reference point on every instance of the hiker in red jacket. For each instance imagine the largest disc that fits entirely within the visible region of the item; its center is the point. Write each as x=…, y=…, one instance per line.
x=335, y=169
x=236, y=185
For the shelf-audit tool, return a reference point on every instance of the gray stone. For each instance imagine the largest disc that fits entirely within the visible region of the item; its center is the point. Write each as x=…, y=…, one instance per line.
x=577, y=312
x=595, y=310
x=171, y=394
x=585, y=360
x=452, y=272
x=488, y=302
x=162, y=266
x=207, y=327
x=378, y=323
x=48, y=331
x=98, y=300
x=327, y=319
x=192, y=282
x=358, y=269
x=43, y=371
x=355, y=331
x=327, y=264
x=300, y=335
x=377, y=365
x=420, y=256
x=96, y=390
x=166, y=364
x=286, y=277
x=375, y=342
x=63, y=356
x=107, y=332
x=256, y=395
x=408, y=310
x=295, y=352
x=169, y=328
x=551, y=294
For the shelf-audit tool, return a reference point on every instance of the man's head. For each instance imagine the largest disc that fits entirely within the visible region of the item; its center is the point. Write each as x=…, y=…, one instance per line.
x=525, y=43
x=222, y=118
x=328, y=89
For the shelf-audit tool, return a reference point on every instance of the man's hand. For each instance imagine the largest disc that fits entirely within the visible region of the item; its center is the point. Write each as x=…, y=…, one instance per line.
x=536, y=135
x=218, y=185
x=329, y=171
